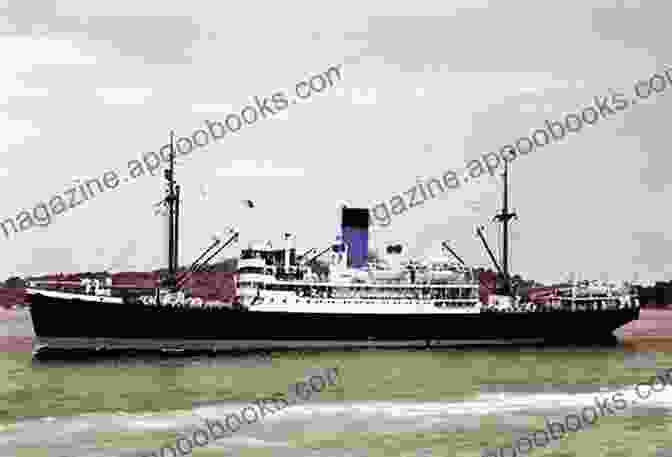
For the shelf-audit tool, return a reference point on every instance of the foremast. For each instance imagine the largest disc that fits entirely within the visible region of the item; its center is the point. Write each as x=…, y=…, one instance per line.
x=172, y=201
x=173, y=282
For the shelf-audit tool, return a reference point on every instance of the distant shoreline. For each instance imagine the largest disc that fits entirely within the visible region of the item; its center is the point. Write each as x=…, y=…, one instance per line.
x=7, y=314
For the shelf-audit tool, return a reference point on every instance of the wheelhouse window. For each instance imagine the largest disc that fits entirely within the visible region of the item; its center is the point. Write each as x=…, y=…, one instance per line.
x=251, y=270
x=250, y=254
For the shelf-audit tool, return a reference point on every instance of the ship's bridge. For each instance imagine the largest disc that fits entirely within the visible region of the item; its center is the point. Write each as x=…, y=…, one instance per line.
x=254, y=265
x=254, y=271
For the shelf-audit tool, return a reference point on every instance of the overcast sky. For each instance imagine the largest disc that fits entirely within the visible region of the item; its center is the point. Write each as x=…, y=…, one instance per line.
x=88, y=86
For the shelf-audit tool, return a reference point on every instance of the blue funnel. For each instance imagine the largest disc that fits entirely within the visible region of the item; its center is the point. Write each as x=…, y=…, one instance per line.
x=355, y=230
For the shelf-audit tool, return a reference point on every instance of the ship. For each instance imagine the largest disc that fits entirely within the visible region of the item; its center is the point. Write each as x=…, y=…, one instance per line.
x=286, y=300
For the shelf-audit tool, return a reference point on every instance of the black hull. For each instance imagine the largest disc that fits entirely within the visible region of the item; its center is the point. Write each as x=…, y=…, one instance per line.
x=66, y=323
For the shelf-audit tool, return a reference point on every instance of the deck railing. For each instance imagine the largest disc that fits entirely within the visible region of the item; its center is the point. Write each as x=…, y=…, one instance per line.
x=117, y=290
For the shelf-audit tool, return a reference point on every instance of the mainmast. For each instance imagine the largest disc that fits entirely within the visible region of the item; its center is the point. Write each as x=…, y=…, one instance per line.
x=504, y=217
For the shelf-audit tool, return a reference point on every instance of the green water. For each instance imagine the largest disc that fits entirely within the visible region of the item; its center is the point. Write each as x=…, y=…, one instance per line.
x=32, y=389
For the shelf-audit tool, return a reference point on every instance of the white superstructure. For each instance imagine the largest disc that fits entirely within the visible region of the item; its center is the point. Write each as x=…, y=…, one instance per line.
x=269, y=281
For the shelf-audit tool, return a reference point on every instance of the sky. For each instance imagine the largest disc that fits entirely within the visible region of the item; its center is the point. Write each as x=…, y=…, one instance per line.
x=86, y=87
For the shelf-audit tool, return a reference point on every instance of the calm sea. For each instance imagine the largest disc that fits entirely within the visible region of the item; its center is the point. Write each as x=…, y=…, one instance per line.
x=440, y=402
